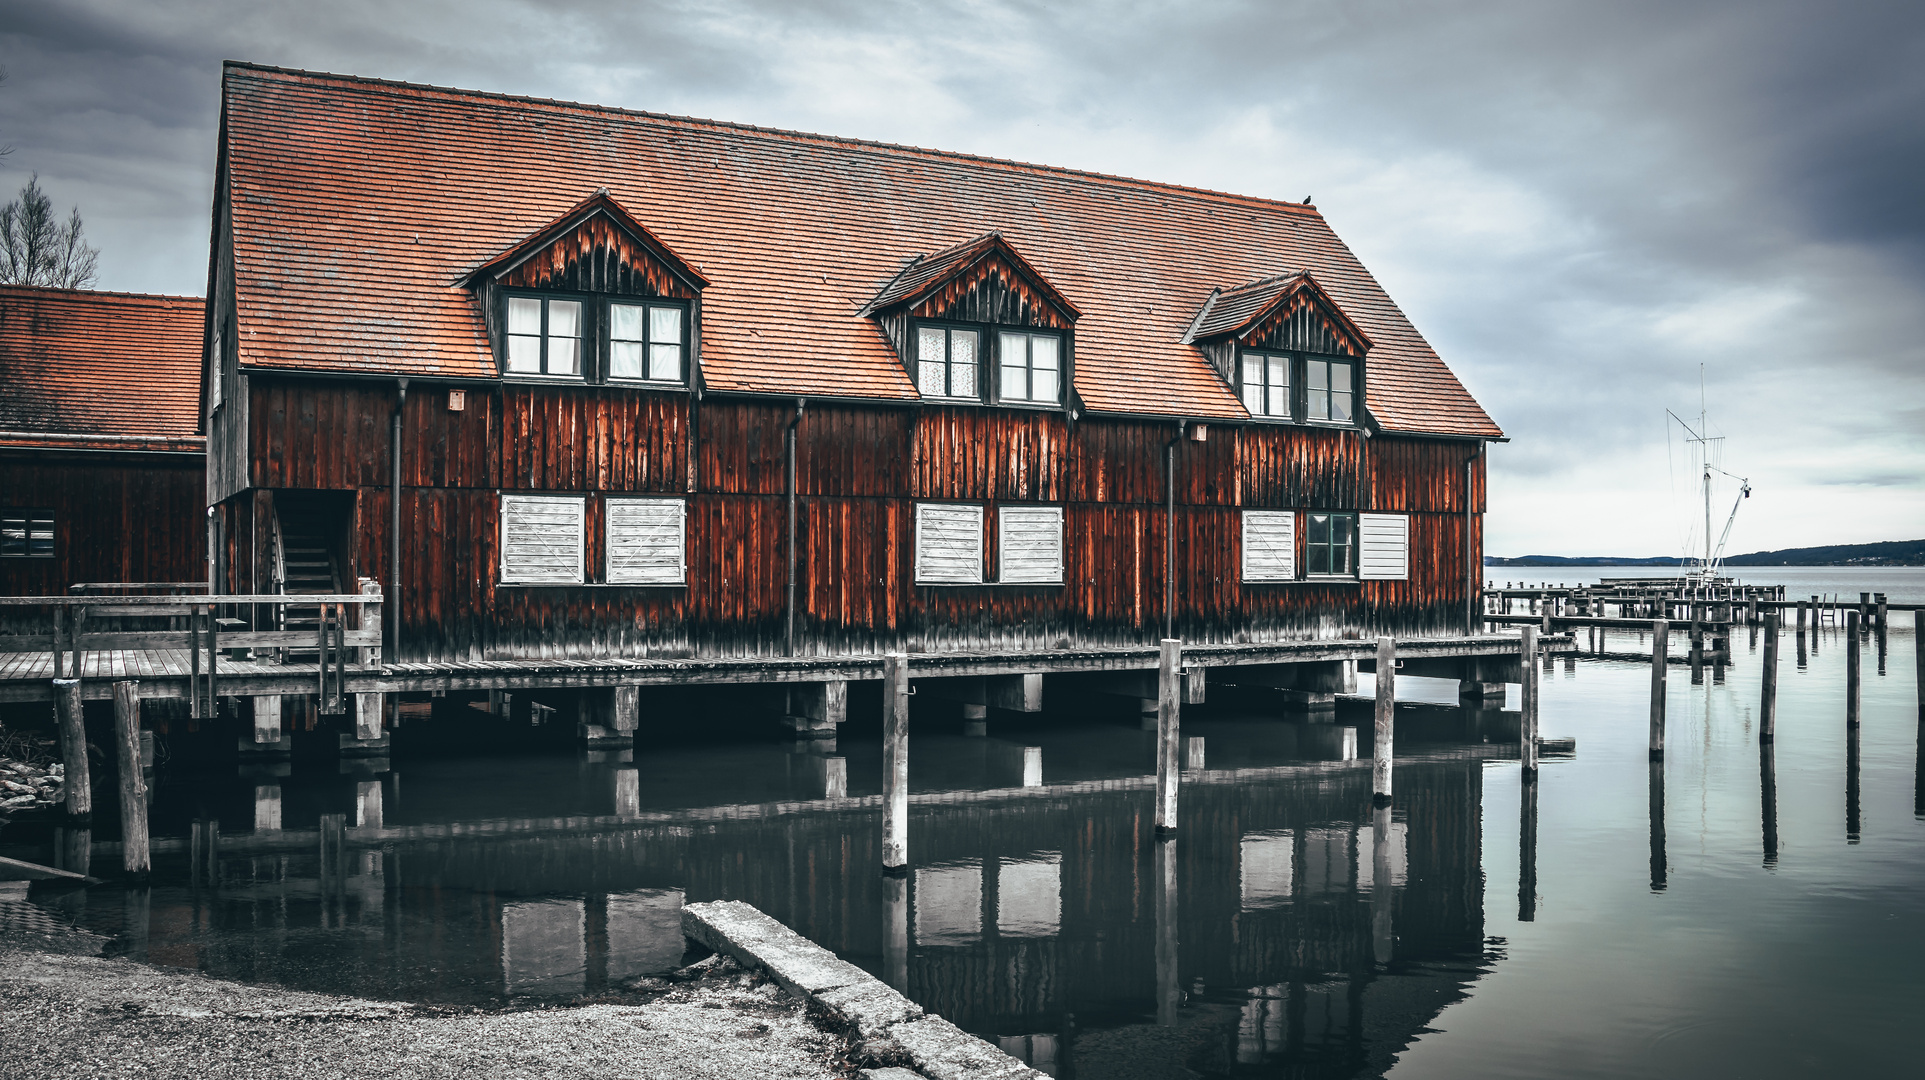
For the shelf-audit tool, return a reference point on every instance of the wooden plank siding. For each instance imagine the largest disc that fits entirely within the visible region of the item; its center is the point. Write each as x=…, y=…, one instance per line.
x=861, y=469
x=117, y=517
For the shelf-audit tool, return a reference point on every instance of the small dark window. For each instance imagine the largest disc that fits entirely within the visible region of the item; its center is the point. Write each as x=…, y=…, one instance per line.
x=1329, y=387
x=1329, y=544
x=1030, y=367
x=645, y=341
x=544, y=336
x=1266, y=384
x=26, y=533
x=946, y=359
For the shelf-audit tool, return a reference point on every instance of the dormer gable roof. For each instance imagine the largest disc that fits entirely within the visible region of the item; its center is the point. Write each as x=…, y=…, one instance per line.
x=927, y=276
x=1291, y=302
x=594, y=242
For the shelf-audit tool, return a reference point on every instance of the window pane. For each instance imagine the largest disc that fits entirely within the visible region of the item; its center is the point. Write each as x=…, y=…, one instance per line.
x=1340, y=529
x=962, y=363
x=1319, y=529
x=1339, y=377
x=564, y=318
x=1319, y=403
x=563, y=356
x=1318, y=559
x=929, y=378
x=625, y=360
x=1319, y=374
x=1279, y=371
x=624, y=322
x=665, y=325
x=1014, y=349
x=524, y=315
x=1015, y=383
x=1252, y=371
x=665, y=362
x=1339, y=406
x=1279, y=403
x=1042, y=353
x=929, y=345
x=1044, y=386
x=524, y=353
x=1253, y=397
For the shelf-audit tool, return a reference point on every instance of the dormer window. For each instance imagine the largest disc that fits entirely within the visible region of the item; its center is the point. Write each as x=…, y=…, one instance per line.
x=544, y=336
x=645, y=341
x=1266, y=384
x=1329, y=390
x=1029, y=367
x=946, y=361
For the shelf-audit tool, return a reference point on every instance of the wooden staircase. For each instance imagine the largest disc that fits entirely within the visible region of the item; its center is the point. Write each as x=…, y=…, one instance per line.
x=307, y=567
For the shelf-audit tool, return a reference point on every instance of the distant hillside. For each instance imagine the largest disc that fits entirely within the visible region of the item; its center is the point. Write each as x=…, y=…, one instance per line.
x=1889, y=553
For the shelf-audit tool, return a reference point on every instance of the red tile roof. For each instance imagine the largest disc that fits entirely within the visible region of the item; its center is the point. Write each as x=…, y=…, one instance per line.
x=99, y=369
x=357, y=205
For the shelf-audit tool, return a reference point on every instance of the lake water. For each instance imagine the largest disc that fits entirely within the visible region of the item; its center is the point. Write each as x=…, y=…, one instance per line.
x=1726, y=912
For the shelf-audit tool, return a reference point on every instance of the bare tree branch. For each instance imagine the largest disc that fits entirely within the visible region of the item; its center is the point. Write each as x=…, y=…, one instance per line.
x=36, y=248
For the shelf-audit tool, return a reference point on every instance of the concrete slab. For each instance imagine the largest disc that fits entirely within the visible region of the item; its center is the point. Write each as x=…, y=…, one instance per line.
x=870, y=1007
x=943, y=1051
x=742, y=931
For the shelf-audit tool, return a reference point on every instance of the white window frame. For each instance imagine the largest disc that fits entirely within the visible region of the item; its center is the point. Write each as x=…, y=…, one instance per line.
x=1285, y=518
x=1007, y=515
x=613, y=576
x=512, y=504
x=1380, y=535
x=955, y=512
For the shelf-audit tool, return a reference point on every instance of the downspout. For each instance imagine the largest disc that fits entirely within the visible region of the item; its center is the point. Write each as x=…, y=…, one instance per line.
x=788, y=630
x=393, y=598
x=1473, y=568
x=1169, y=532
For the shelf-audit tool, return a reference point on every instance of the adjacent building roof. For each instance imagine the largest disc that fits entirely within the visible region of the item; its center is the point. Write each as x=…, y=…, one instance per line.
x=99, y=370
x=358, y=206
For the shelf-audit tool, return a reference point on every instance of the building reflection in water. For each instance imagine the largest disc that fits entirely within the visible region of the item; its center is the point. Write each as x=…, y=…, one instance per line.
x=1289, y=927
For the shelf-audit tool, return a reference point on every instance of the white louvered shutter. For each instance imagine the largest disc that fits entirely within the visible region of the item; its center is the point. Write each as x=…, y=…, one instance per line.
x=1383, y=547
x=647, y=541
x=541, y=540
x=949, y=544
x=1029, y=544
x=1269, y=545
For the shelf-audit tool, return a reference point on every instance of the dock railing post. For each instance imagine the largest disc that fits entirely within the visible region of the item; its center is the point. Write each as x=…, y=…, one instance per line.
x=1853, y=666
x=895, y=762
x=1383, y=744
x=1660, y=647
x=133, y=785
x=1169, y=728
x=77, y=784
x=1768, y=696
x=1527, y=704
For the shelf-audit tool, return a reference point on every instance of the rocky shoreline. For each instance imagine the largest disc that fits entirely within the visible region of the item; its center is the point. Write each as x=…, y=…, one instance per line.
x=27, y=787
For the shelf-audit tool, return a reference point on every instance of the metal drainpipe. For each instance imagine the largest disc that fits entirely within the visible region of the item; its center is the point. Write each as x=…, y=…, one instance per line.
x=1473, y=567
x=1169, y=532
x=393, y=598
x=788, y=630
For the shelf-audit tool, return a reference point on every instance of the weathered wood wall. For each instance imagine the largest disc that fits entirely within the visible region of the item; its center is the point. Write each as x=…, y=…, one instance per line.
x=860, y=471
x=117, y=517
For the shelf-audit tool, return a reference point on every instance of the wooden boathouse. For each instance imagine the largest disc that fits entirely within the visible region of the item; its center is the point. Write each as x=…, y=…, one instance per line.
x=102, y=476
x=578, y=399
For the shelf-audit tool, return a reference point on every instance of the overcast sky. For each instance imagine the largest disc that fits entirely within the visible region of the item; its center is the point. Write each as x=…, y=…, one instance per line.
x=1581, y=205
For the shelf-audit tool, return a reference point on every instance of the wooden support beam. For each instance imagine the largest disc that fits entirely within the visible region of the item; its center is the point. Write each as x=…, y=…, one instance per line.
x=133, y=783
x=1532, y=689
x=1169, y=703
x=77, y=783
x=1193, y=752
x=1660, y=645
x=267, y=720
x=1382, y=744
x=1854, y=666
x=895, y=762
x=1768, y=694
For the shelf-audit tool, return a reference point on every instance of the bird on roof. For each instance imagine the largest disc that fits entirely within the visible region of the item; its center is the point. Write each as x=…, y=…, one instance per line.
x=1306, y=200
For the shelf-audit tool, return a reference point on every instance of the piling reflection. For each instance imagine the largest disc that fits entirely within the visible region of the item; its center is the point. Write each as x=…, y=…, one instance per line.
x=1163, y=883
x=1658, y=862
x=1527, y=850
x=1852, y=822
x=1768, y=799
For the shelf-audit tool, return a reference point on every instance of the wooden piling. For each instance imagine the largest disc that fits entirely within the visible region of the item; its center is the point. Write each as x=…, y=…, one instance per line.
x=1660, y=646
x=895, y=762
x=1801, y=616
x=1381, y=746
x=1768, y=696
x=1169, y=695
x=1533, y=683
x=1880, y=610
x=133, y=784
x=77, y=783
x=1918, y=667
x=1853, y=666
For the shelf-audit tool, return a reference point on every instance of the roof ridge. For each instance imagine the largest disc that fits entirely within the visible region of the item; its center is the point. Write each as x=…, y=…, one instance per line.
x=792, y=134
x=49, y=290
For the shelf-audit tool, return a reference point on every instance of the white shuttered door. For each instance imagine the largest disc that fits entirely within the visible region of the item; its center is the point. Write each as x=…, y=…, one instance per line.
x=1383, y=547
x=647, y=541
x=1029, y=544
x=541, y=540
x=1269, y=545
x=949, y=544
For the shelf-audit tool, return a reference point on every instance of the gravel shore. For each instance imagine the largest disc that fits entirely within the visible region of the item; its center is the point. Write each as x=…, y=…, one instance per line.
x=66, y=1015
